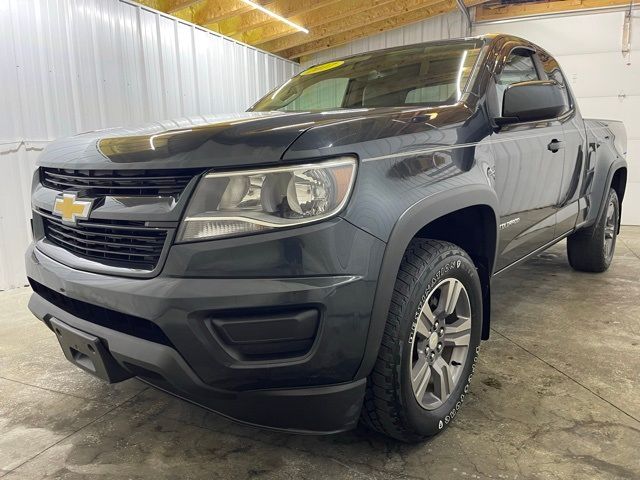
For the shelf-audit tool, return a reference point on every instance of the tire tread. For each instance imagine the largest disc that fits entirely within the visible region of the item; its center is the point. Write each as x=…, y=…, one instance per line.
x=382, y=407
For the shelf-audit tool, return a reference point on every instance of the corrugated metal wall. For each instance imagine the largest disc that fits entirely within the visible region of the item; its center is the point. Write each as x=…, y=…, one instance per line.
x=450, y=25
x=70, y=66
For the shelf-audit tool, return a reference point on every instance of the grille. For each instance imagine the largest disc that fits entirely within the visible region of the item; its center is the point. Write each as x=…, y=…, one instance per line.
x=119, y=182
x=119, y=244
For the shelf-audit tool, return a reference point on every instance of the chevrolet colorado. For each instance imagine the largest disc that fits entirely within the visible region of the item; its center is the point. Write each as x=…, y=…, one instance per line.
x=326, y=257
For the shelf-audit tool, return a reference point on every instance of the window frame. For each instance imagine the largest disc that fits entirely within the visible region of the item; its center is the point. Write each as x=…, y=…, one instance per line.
x=542, y=75
x=570, y=98
x=532, y=55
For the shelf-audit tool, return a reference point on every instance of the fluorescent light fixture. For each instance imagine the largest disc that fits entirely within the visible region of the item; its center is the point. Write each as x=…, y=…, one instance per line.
x=276, y=16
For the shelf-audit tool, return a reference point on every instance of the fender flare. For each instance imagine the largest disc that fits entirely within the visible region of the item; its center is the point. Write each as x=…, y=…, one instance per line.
x=608, y=162
x=408, y=225
x=613, y=168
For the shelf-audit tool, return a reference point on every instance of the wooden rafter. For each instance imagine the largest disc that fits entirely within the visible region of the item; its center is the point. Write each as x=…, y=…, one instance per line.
x=371, y=29
x=491, y=11
x=235, y=26
x=173, y=6
x=312, y=20
x=374, y=28
x=361, y=21
x=205, y=12
x=330, y=22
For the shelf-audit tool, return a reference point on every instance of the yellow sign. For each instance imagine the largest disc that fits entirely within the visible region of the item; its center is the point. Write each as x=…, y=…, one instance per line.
x=70, y=209
x=322, y=67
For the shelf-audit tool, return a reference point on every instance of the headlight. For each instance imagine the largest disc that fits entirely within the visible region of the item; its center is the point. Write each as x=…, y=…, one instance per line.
x=236, y=203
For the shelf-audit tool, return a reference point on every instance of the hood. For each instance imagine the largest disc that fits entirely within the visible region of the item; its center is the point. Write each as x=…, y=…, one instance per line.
x=244, y=139
x=248, y=138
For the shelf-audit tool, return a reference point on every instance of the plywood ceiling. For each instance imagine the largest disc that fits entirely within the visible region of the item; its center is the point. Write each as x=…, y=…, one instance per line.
x=335, y=22
x=330, y=22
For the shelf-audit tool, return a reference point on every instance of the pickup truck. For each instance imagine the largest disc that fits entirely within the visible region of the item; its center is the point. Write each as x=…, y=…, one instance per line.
x=326, y=257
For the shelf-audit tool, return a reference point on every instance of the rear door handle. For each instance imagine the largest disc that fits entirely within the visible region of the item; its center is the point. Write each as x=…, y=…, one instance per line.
x=554, y=145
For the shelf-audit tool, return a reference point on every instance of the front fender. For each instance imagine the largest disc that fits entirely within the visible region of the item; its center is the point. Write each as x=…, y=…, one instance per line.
x=408, y=225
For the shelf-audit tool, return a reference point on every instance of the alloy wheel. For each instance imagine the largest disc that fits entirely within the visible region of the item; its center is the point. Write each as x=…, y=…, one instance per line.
x=610, y=229
x=440, y=344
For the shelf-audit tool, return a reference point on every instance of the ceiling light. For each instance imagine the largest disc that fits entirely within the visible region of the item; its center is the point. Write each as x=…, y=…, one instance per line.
x=275, y=15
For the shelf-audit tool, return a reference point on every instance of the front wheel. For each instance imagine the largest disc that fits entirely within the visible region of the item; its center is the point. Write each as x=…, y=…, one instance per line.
x=430, y=343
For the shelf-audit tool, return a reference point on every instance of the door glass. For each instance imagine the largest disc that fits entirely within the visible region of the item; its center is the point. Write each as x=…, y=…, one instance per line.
x=519, y=67
x=552, y=71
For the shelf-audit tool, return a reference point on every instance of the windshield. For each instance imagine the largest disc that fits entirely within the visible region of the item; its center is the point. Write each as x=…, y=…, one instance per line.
x=427, y=75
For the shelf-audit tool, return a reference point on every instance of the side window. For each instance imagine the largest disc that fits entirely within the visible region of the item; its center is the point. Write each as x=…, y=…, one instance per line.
x=519, y=67
x=552, y=71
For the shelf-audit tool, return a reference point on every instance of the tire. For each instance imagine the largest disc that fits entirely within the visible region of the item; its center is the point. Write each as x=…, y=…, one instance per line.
x=591, y=249
x=429, y=270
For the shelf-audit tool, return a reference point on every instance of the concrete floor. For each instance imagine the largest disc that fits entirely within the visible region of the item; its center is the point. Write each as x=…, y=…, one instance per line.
x=557, y=395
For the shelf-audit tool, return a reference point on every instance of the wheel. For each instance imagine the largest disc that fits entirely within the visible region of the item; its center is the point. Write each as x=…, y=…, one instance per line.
x=591, y=249
x=430, y=344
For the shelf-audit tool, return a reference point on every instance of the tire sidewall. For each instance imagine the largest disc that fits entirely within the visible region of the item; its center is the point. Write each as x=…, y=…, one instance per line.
x=451, y=264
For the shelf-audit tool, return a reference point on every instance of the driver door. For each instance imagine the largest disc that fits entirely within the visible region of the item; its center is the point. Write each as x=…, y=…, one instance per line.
x=529, y=161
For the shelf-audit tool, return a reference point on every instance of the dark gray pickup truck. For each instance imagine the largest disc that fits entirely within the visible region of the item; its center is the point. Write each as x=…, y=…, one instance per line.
x=327, y=256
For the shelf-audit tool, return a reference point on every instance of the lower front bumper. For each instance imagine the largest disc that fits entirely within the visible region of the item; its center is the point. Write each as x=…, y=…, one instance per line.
x=319, y=410
x=267, y=329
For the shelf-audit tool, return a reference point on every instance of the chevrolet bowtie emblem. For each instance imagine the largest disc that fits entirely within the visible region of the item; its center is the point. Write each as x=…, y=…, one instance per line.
x=71, y=209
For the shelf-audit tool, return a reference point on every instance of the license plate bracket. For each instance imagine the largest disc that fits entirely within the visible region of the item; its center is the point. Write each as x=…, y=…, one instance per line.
x=87, y=352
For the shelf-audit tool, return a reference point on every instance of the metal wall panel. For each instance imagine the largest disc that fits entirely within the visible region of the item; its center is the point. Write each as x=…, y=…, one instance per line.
x=70, y=66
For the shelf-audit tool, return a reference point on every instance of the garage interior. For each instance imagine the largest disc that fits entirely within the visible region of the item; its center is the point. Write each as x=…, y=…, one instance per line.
x=556, y=390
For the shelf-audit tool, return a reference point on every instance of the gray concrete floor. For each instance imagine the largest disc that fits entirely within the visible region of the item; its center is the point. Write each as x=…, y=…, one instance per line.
x=557, y=395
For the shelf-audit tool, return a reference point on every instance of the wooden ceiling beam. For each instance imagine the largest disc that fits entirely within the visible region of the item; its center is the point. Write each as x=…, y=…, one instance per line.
x=361, y=21
x=173, y=6
x=370, y=29
x=257, y=19
x=205, y=12
x=331, y=22
x=498, y=12
x=311, y=20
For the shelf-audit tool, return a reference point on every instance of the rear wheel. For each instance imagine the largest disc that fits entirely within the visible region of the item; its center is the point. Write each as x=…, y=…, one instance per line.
x=592, y=249
x=430, y=343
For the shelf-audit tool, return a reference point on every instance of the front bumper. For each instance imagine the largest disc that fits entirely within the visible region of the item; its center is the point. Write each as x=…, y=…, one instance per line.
x=312, y=389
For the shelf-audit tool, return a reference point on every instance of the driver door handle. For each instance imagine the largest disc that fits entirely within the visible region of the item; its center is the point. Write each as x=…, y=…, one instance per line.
x=554, y=145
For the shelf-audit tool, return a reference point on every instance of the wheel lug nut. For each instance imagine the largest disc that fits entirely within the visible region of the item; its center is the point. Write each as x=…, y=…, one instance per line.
x=442, y=331
x=436, y=325
x=432, y=356
x=439, y=347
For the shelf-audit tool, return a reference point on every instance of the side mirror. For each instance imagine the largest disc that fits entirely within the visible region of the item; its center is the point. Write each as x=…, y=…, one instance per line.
x=532, y=101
